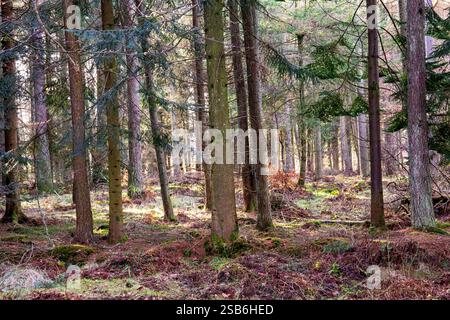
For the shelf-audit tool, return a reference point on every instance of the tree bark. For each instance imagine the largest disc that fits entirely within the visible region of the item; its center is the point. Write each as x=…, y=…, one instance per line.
x=84, y=223
x=224, y=219
x=155, y=126
x=422, y=215
x=113, y=129
x=390, y=159
x=318, y=152
x=363, y=140
x=335, y=146
x=376, y=183
x=135, y=172
x=200, y=96
x=43, y=169
x=289, y=159
x=248, y=179
x=100, y=151
x=346, y=150
x=302, y=145
x=250, y=27
x=13, y=210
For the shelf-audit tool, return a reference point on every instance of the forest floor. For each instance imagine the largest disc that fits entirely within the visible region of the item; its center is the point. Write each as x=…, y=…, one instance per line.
x=320, y=248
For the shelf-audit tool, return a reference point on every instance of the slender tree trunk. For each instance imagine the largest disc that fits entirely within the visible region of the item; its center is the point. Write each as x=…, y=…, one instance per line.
x=310, y=150
x=248, y=179
x=422, y=215
x=376, y=183
x=250, y=27
x=289, y=160
x=363, y=140
x=43, y=167
x=361, y=120
x=157, y=136
x=224, y=219
x=200, y=96
x=335, y=146
x=175, y=166
x=135, y=172
x=99, y=154
x=13, y=210
x=318, y=156
x=112, y=117
x=84, y=223
x=346, y=145
x=390, y=159
x=300, y=121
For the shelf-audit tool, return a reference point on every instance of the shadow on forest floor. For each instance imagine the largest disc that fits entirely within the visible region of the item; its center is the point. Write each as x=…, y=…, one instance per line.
x=320, y=248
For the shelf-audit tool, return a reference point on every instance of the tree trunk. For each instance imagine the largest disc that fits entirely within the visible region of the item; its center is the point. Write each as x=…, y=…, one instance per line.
x=363, y=140
x=335, y=146
x=250, y=27
x=84, y=223
x=100, y=151
x=224, y=219
x=422, y=215
x=112, y=117
x=300, y=121
x=135, y=172
x=310, y=149
x=289, y=160
x=13, y=210
x=390, y=159
x=155, y=127
x=43, y=169
x=248, y=179
x=200, y=97
x=318, y=152
x=176, y=165
x=346, y=145
x=376, y=183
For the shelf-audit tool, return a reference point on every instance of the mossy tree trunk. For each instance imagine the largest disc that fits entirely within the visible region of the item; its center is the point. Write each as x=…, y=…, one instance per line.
x=113, y=128
x=224, y=218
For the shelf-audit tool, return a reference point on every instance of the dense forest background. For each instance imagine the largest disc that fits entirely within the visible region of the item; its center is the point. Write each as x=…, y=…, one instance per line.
x=93, y=92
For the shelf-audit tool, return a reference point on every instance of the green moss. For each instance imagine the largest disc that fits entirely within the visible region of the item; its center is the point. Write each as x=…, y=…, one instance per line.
x=73, y=253
x=217, y=263
x=442, y=225
x=16, y=238
x=333, y=245
x=226, y=249
x=436, y=230
x=337, y=247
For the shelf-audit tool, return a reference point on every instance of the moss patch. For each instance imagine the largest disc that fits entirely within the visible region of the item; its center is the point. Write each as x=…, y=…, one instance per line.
x=73, y=253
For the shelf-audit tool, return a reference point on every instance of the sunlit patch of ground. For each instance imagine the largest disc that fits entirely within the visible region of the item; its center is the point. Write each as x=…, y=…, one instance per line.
x=310, y=254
